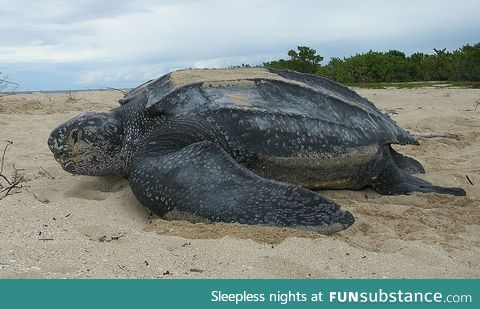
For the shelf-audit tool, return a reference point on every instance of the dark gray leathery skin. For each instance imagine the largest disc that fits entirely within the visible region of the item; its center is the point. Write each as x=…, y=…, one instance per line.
x=204, y=180
x=407, y=164
x=233, y=150
x=89, y=144
x=110, y=139
x=330, y=117
x=393, y=180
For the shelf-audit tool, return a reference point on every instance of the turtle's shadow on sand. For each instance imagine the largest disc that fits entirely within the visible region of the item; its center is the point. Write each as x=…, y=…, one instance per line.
x=430, y=218
x=379, y=219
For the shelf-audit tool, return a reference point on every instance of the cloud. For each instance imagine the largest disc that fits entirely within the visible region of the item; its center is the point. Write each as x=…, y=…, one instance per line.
x=131, y=74
x=125, y=41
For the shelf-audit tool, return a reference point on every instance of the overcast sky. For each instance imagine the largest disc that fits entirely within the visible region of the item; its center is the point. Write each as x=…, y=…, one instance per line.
x=81, y=44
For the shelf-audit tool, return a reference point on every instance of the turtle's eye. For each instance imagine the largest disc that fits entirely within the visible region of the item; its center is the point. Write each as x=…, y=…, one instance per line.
x=74, y=135
x=110, y=128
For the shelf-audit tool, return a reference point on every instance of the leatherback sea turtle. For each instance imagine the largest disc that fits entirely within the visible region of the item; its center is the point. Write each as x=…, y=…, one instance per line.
x=244, y=145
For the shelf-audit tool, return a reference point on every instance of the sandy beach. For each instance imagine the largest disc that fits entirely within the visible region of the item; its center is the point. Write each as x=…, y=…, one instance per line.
x=61, y=226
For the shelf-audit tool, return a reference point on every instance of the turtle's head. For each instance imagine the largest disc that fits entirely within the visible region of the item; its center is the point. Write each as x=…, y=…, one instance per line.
x=89, y=144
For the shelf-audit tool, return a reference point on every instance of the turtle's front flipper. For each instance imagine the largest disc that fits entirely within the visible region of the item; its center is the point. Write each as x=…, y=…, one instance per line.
x=394, y=181
x=203, y=179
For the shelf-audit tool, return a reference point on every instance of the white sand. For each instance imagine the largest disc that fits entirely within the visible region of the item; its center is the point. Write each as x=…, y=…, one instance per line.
x=76, y=226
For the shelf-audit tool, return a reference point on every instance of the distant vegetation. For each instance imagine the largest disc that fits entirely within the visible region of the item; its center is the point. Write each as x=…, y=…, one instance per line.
x=461, y=65
x=305, y=60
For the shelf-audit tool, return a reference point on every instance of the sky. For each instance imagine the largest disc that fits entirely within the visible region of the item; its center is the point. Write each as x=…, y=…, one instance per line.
x=91, y=44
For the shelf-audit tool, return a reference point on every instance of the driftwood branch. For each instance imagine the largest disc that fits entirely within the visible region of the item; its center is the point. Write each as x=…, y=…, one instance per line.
x=7, y=87
x=4, y=80
x=3, y=157
x=125, y=92
x=13, y=183
x=435, y=134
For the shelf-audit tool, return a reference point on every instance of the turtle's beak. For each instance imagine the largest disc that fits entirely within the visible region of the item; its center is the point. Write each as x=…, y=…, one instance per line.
x=52, y=143
x=59, y=149
x=60, y=152
x=55, y=143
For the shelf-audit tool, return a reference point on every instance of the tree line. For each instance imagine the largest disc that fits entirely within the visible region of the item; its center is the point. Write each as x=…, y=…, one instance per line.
x=462, y=64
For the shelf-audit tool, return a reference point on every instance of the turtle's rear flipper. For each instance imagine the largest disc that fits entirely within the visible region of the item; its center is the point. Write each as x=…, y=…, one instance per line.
x=409, y=165
x=204, y=180
x=396, y=181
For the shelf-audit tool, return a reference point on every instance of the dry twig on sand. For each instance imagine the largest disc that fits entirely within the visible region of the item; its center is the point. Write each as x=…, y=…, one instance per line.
x=44, y=172
x=47, y=96
x=469, y=180
x=13, y=183
x=72, y=97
